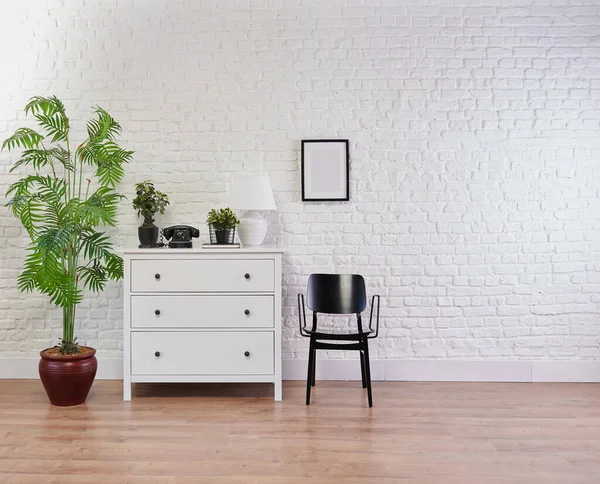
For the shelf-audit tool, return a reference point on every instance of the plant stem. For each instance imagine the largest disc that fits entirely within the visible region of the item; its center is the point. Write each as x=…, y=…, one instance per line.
x=69, y=311
x=89, y=183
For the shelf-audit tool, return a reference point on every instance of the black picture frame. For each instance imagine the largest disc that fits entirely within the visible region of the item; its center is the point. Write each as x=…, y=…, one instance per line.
x=310, y=148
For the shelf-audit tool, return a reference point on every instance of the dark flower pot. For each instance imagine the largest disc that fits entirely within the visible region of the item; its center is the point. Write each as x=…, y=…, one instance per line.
x=68, y=378
x=148, y=235
x=223, y=236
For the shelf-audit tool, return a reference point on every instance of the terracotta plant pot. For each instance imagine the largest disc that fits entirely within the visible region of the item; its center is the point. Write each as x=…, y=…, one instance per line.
x=68, y=378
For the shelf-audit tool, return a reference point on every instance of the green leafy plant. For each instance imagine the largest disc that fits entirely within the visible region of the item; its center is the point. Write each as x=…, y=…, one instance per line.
x=222, y=219
x=70, y=194
x=149, y=201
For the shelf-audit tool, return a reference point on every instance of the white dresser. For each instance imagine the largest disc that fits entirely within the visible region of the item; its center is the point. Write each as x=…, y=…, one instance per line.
x=202, y=315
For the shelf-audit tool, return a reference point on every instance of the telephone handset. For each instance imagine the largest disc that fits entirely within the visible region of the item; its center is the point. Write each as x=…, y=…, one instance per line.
x=181, y=236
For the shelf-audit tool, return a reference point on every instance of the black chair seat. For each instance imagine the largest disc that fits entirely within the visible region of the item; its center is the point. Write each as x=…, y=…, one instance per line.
x=338, y=294
x=338, y=336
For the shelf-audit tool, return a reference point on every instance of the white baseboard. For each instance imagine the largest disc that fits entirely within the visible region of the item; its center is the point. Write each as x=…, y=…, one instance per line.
x=381, y=370
x=27, y=367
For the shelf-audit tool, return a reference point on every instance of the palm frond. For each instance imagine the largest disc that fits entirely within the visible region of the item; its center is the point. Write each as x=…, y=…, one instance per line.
x=51, y=189
x=36, y=157
x=46, y=105
x=100, y=207
x=57, y=126
x=50, y=113
x=109, y=158
x=95, y=245
x=114, y=267
x=105, y=127
x=29, y=210
x=54, y=240
x=94, y=277
x=23, y=138
x=62, y=156
x=44, y=272
x=23, y=185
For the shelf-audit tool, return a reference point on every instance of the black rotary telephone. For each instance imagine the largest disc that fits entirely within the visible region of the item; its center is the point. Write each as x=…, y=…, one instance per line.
x=180, y=236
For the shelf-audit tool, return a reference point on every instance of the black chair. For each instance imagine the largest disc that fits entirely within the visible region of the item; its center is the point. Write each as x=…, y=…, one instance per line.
x=338, y=294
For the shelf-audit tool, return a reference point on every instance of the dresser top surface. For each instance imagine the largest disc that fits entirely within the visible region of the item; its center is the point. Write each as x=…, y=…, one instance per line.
x=263, y=249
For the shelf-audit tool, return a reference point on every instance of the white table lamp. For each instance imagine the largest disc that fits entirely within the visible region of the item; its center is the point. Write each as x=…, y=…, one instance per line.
x=252, y=193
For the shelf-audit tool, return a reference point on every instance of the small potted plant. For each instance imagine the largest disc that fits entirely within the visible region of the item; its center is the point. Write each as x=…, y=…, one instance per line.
x=148, y=202
x=222, y=225
x=63, y=203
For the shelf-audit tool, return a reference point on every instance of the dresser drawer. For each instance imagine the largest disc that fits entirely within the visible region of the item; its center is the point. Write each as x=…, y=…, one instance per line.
x=202, y=311
x=206, y=353
x=202, y=275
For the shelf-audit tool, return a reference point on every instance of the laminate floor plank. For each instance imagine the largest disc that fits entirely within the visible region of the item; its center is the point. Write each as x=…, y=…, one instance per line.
x=416, y=433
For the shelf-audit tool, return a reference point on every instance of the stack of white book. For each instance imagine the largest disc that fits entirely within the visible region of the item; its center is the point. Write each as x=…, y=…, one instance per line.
x=221, y=246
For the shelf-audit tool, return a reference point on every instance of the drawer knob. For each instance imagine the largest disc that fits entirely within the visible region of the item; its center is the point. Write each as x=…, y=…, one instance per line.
x=157, y=276
x=157, y=312
x=157, y=354
x=247, y=276
x=246, y=354
x=247, y=312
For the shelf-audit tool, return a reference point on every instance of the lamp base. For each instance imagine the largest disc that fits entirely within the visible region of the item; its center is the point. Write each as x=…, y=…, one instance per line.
x=252, y=228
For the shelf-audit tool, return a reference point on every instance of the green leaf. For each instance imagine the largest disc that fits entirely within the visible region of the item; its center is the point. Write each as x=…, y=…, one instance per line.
x=95, y=245
x=47, y=105
x=50, y=113
x=37, y=157
x=22, y=186
x=100, y=207
x=94, y=277
x=109, y=158
x=29, y=211
x=44, y=272
x=57, y=126
x=51, y=189
x=23, y=138
x=62, y=156
x=105, y=127
x=114, y=267
x=54, y=240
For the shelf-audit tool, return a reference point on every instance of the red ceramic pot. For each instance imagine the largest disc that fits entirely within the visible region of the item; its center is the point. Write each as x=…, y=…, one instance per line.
x=68, y=378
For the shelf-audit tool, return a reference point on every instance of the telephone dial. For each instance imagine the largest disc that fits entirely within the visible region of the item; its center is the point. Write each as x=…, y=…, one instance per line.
x=180, y=236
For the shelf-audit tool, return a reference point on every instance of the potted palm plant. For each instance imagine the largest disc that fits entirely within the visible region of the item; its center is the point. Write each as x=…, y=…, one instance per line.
x=62, y=205
x=148, y=202
x=222, y=225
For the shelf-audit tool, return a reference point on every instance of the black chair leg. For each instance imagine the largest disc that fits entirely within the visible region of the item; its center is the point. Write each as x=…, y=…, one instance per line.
x=311, y=352
x=368, y=371
x=314, y=368
x=362, y=369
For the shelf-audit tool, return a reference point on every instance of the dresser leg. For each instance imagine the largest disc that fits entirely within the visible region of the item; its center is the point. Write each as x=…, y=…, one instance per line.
x=126, y=391
x=278, y=391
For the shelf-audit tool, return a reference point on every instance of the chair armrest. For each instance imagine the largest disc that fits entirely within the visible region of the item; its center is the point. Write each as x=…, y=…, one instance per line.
x=302, y=315
x=374, y=335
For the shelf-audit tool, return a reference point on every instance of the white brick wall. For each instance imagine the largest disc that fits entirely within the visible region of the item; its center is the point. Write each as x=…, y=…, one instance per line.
x=475, y=153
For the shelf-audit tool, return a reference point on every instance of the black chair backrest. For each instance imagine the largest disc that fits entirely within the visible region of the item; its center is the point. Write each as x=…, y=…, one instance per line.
x=337, y=293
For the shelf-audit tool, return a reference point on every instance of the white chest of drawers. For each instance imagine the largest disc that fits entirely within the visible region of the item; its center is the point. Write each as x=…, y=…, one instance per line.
x=202, y=315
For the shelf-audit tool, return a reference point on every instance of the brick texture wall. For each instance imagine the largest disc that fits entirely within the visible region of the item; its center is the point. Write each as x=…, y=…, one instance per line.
x=474, y=133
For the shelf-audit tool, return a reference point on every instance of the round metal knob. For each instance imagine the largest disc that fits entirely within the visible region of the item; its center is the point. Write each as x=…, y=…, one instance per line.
x=157, y=312
x=247, y=276
x=246, y=354
x=157, y=276
x=157, y=353
x=247, y=312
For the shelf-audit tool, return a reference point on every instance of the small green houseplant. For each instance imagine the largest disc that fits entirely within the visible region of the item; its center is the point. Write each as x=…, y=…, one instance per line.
x=222, y=222
x=148, y=202
x=70, y=194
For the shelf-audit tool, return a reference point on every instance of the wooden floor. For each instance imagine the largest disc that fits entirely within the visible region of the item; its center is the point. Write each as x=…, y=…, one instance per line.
x=416, y=432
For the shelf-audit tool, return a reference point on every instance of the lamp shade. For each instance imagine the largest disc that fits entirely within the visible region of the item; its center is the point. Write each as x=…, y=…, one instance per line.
x=252, y=192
